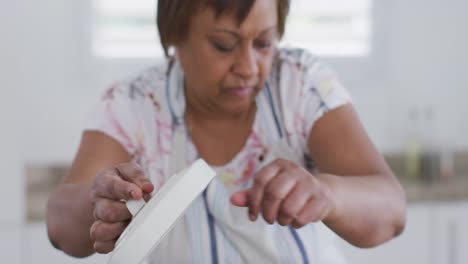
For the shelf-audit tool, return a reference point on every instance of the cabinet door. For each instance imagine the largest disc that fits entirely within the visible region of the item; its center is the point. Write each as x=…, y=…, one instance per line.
x=463, y=235
x=10, y=244
x=452, y=233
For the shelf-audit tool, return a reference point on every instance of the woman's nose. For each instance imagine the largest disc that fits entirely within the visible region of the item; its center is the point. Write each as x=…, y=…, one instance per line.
x=246, y=65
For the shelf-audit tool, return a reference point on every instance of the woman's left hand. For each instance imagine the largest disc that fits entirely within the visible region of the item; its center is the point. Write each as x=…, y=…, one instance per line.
x=285, y=192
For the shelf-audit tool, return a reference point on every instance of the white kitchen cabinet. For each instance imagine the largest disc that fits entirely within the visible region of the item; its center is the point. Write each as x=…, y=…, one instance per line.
x=10, y=244
x=451, y=234
x=463, y=236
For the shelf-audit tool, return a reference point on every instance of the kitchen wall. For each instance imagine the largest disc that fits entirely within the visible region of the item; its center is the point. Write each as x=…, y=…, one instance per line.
x=49, y=79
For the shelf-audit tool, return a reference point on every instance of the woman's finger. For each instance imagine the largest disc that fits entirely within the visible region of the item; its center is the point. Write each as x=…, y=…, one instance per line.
x=314, y=210
x=293, y=204
x=111, y=211
x=241, y=198
x=104, y=247
x=133, y=173
x=105, y=232
x=262, y=178
x=110, y=185
x=275, y=192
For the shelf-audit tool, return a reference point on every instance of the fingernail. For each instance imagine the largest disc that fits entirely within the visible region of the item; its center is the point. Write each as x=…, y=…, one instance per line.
x=146, y=181
x=132, y=194
x=252, y=217
x=147, y=197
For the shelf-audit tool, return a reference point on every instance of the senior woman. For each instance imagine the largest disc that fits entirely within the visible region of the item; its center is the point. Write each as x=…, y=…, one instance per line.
x=277, y=126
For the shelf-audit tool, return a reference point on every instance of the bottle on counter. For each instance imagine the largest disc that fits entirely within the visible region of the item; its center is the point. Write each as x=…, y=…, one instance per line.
x=430, y=162
x=413, y=148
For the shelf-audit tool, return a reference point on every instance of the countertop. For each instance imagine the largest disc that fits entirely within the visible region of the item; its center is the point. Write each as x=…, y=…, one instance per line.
x=454, y=190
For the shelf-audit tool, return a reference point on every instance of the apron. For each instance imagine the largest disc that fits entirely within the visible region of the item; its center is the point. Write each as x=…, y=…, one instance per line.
x=212, y=230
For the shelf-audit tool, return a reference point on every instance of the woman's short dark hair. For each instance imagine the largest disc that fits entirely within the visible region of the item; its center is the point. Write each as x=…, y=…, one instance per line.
x=174, y=16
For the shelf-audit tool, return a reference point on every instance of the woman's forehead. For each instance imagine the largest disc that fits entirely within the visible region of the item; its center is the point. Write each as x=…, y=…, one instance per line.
x=240, y=9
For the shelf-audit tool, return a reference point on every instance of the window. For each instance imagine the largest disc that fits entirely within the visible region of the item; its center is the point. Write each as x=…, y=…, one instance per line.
x=125, y=28
x=330, y=27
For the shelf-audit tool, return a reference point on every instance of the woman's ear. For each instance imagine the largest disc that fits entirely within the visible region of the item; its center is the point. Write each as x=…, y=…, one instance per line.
x=172, y=52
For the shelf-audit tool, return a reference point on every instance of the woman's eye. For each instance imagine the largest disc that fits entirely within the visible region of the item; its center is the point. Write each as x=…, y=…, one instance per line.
x=223, y=48
x=263, y=45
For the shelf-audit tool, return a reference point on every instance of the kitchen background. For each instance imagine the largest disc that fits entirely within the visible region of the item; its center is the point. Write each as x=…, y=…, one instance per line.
x=405, y=63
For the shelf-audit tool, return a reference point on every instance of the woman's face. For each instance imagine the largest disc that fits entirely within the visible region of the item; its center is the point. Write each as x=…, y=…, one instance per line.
x=226, y=64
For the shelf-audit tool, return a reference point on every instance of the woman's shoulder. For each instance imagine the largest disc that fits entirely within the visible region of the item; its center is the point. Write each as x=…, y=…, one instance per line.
x=139, y=97
x=297, y=58
x=307, y=87
x=146, y=83
x=142, y=94
x=299, y=66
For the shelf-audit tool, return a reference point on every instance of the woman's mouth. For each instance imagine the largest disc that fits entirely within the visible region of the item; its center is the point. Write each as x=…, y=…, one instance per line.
x=240, y=91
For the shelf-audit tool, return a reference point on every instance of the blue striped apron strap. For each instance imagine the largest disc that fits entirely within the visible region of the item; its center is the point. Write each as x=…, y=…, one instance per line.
x=274, y=101
x=176, y=101
x=211, y=226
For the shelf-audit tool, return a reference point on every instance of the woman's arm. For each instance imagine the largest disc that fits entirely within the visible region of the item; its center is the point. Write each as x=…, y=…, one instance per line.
x=70, y=208
x=369, y=203
x=355, y=193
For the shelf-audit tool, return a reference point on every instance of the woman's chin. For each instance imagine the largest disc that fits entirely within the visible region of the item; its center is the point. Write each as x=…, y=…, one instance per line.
x=238, y=106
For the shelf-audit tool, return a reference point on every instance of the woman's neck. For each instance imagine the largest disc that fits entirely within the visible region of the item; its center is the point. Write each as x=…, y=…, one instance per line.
x=204, y=112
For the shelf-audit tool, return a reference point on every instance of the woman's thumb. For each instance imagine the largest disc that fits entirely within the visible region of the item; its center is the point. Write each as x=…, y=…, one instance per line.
x=240, y=198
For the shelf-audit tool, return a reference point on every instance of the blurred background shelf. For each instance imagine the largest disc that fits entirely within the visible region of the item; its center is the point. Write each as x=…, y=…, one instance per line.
x=455, y=190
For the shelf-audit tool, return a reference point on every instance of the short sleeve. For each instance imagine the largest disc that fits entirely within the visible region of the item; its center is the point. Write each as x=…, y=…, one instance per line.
x=309, y=89
x=114, y=115
x=322, y=92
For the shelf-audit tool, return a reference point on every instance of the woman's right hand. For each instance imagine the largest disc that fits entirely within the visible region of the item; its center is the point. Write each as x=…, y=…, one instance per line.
x=110, y=190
